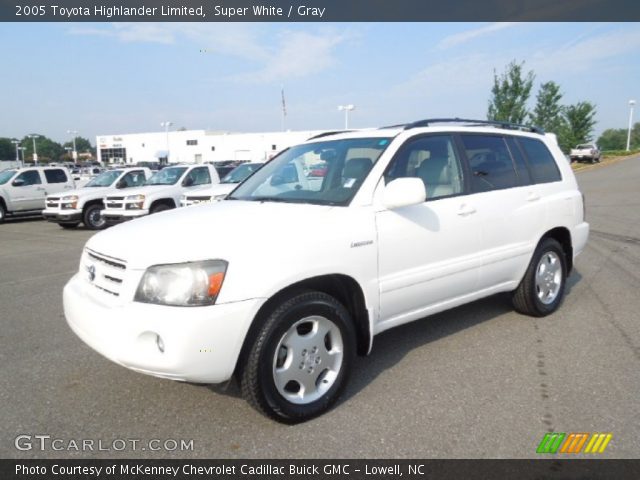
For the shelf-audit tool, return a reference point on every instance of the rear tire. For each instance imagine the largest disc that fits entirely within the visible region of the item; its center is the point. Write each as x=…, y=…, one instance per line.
x=541, y=290
x=3, y=213
x=92, y=218
x=300, y=359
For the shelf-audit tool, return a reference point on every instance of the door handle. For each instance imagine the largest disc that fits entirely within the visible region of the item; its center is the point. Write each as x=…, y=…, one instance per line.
x=533, y=197
x=40, y=189
x=465, y=210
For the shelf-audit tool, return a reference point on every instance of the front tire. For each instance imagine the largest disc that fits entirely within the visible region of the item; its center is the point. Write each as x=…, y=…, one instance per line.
x=300, y=359
x=68, y=226
x=92, y=217
x=160, y=208
x=541, y=290
x=3, y=213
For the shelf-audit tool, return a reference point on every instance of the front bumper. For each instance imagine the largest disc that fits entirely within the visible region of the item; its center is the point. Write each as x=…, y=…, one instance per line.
x=201, y=344
x=62, y=216
x=113, y=217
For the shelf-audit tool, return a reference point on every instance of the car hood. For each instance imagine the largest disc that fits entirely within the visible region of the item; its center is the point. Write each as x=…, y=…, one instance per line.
x=85, y=191
x=148, y=190
x=216, y=189
x=224, y=230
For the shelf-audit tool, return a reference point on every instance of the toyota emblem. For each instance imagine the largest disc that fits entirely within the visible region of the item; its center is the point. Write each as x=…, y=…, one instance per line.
x=92, y=273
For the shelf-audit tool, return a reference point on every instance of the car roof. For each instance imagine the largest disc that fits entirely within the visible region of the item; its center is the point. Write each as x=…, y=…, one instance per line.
x=434, y=125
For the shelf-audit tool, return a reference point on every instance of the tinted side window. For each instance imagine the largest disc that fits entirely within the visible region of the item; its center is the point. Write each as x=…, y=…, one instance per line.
x=543, y=166
x=55, y=176
x=30, y=177
x=521, y=165
x=432, y=159
x=199, y=176
x=134, y=178
x=490, y=163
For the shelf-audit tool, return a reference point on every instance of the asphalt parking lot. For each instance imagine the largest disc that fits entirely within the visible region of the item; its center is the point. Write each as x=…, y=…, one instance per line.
x=479, y=381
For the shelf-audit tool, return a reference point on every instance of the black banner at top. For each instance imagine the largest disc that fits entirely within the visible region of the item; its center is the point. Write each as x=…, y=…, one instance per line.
x=318, y=10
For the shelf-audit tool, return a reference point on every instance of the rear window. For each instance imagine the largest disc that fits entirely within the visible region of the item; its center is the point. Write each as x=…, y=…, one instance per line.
x=490, y=163
x=541, y=163
x=55, y=176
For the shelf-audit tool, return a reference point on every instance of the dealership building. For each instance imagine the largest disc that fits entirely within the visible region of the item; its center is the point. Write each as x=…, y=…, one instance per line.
x=195, y=146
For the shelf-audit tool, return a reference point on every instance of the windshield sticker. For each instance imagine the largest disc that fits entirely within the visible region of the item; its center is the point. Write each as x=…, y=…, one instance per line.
x=348, y=182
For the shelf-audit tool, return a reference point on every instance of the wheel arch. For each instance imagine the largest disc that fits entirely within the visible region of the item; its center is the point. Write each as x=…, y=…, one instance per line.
x=169, y=202
x=95, y=201
x=342, y=287
x=563, y=236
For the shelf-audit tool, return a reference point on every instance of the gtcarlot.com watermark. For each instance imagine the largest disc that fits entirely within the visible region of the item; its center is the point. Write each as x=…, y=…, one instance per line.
x=43, y=443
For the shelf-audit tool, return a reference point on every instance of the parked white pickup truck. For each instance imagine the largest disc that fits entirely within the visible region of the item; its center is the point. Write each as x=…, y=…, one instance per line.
x=213, y=193
x=160, y=192
x=23, y=190
x=587, y=151
x=284, y=281
x=85, y=204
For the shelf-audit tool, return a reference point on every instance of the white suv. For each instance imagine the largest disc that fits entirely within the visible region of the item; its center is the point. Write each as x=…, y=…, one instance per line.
x=23, y=190
x=160, y=192
x=85, y=204
x=406, y=222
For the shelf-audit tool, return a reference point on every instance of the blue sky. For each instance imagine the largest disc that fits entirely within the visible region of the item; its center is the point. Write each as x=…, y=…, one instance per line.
x=125, y=78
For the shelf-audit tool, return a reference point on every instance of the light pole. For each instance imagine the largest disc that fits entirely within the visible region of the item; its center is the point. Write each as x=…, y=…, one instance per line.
x=631, y=104
x=75, y=152
x=347, y=109
x=166, y=126
x=17, y=144
x=22, y=149
x=33, y=137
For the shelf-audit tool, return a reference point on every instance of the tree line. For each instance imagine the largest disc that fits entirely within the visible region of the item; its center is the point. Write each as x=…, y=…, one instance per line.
x=48, y=150
x=572, y=124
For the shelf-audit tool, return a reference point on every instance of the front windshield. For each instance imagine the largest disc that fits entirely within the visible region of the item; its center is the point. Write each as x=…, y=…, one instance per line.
x=166, y=176
x=287, y=178
x=240, y=173
x=104, y=179
x=6, y=176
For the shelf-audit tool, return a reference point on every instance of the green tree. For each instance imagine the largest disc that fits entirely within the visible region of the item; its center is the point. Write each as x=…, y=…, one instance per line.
x=7, y=149
x=82, y=145
x=510, y=93
x=580, y=120
x=613, y=139
x=548, y=112
x=48, y=150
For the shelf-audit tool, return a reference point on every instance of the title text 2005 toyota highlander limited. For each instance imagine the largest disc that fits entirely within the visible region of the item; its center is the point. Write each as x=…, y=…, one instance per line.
x=283, y=282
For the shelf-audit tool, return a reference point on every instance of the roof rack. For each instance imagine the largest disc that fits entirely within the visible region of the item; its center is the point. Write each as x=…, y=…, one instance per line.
x=326, y=134
x=496, y=123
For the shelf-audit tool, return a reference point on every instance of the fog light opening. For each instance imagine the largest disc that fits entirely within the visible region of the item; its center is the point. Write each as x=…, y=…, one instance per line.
x=160, y=343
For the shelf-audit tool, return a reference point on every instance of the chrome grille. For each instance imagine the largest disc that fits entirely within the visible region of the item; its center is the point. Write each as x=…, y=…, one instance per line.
x=104, y=272
x=53, y=202
x=115, y=202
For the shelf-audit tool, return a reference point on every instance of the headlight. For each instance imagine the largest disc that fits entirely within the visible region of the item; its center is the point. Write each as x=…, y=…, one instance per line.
x=134, y=202
x=69, y=203
x=182, y=284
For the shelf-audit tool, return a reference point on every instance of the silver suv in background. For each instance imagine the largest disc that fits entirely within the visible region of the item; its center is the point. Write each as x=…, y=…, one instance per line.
x=23, y=190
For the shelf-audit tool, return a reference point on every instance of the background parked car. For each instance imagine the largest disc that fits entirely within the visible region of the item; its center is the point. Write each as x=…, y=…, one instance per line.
x=585, y=151
x=221, y=190
x=85, y=204
x=23, y=190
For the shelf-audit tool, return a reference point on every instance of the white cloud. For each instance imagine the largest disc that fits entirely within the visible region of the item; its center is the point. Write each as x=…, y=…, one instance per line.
x=586, y=54
x=293, y=54
x=463, y=37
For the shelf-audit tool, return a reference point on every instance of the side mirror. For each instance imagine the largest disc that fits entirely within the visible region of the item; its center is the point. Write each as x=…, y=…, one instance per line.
x=18, y=182
x=187, y=182
x=121, y=183
x=403, y=192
